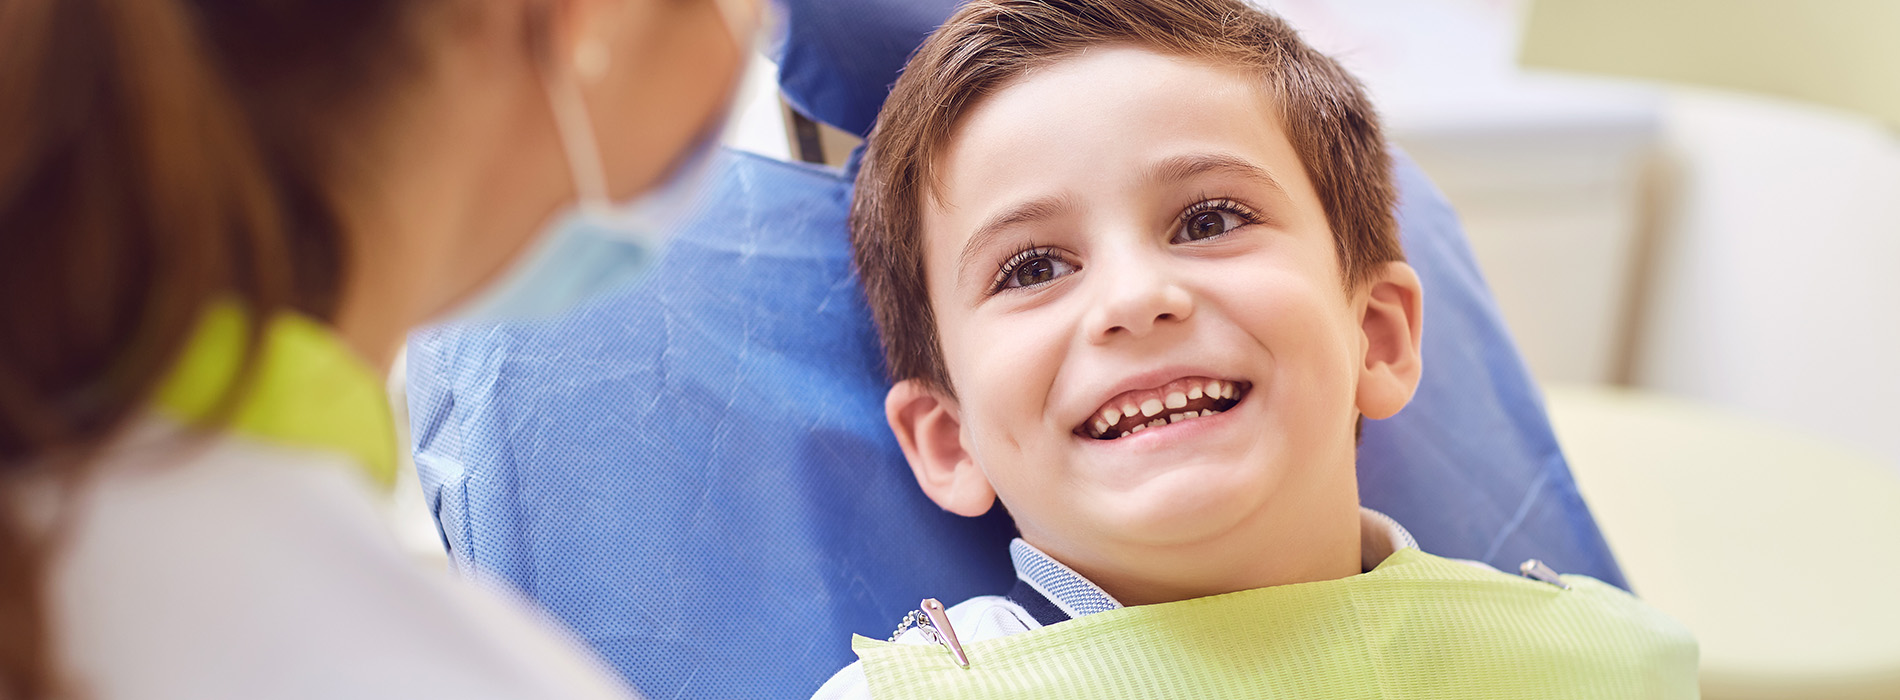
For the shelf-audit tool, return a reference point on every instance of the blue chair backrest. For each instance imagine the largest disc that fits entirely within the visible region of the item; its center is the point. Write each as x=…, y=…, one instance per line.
x=695, y=474
x=838, y=59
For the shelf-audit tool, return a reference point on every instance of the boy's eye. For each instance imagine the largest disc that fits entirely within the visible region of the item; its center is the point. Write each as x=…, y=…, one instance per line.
x=1034, y=272
x=1030, y=268
x=1204, y=224
x=1213, y=218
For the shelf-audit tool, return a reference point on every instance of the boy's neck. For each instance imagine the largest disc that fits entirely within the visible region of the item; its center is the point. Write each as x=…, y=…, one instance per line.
x=1305, y=537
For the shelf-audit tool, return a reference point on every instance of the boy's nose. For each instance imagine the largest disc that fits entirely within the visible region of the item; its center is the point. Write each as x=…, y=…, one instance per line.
x=1133, y=300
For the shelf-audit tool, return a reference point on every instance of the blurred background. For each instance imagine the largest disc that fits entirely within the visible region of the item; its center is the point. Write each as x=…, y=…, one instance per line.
x=1689, y=212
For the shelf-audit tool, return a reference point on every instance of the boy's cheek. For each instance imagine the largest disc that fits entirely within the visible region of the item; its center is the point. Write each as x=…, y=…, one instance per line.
x=1004, y=367
x=1288, y=310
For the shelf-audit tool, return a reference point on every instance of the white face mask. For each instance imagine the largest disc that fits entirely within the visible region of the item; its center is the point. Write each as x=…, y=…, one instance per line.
x=602, y=245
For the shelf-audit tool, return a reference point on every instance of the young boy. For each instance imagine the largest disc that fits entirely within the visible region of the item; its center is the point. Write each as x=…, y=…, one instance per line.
x=1136, y=271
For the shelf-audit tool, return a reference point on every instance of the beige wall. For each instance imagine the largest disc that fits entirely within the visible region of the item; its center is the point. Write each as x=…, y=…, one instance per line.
x=1839, y=52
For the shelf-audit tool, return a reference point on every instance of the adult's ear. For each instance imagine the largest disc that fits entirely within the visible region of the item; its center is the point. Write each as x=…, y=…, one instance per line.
x=930, y=432
x=1391, y=320
x=573, y=40
x=555, y=31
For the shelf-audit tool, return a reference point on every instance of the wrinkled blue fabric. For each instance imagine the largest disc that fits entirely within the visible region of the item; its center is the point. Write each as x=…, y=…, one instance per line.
x=695, y=473
x=696, y=476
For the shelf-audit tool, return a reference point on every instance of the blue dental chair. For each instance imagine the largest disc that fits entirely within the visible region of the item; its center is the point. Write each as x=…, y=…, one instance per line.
x=695, y=473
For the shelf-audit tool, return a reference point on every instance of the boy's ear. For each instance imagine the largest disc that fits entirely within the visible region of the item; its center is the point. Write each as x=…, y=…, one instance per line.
x=1391, y=322
x=929, y=429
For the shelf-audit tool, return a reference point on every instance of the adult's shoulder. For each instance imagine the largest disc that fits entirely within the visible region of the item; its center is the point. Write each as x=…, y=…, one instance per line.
x=232, y=567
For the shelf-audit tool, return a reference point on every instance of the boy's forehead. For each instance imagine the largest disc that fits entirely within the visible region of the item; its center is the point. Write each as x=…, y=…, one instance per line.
x=1105, y=120
x=1116, y=94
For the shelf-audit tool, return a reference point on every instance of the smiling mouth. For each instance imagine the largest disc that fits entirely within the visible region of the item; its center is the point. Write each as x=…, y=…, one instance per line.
x=1180, y=400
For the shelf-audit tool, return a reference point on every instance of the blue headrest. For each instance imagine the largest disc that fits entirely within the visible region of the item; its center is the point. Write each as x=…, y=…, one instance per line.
x=839, y=57
x=695, y=474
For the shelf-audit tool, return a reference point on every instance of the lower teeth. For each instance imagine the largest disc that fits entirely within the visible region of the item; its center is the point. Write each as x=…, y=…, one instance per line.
x=1159, y=420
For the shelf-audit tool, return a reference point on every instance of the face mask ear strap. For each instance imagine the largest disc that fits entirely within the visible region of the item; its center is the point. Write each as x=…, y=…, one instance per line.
x=572, y=124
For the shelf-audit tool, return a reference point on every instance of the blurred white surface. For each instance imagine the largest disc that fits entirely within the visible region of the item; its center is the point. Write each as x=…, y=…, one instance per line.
x=1776, y=548
x=409, y=515
x=758, y=120
x=1550, y=179
x=1775, y=289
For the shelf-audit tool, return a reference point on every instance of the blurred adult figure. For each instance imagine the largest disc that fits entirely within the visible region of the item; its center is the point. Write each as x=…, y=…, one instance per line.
x=218, y=220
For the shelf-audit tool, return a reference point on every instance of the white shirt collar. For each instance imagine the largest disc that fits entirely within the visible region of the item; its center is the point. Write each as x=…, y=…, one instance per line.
x=1379, y=535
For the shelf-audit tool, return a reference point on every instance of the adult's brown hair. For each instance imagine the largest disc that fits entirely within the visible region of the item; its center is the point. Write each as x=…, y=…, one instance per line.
x=155, y=156
x=988, y=44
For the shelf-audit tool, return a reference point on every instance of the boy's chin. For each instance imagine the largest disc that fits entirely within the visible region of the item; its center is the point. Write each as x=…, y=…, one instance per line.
x=1186, y=506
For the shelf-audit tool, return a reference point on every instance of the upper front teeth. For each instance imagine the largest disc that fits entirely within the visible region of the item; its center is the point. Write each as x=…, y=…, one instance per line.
x=1157, y=407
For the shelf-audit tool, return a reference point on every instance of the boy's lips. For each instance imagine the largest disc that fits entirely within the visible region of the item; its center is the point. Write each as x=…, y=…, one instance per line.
x=1178, y=400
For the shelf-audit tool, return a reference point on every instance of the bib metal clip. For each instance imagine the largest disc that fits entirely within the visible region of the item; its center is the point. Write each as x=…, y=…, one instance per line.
x=1536, y=569
x=934, y=622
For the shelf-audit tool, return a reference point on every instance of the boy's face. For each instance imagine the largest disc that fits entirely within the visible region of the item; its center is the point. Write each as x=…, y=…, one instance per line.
x=1124, y=229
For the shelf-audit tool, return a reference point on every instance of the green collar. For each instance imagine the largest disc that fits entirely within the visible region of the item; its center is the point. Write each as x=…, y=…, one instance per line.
x=309, y=389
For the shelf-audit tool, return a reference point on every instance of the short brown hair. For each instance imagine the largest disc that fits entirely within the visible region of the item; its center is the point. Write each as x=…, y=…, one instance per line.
x=988, y=43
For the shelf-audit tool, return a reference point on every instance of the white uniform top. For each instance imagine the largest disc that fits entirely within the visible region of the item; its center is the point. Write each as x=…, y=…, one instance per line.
x=1064, y=594
x=247, y=569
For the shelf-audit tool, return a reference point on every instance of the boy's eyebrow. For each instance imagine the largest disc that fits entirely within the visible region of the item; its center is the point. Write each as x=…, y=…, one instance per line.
x=1182, y=167
x=1170, y=169
x=1032, y=210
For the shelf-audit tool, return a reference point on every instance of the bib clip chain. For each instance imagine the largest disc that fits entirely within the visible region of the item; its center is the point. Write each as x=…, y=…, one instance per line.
x=934, y=622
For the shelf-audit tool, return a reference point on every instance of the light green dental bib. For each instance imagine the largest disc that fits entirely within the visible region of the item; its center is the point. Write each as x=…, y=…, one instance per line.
x=1418, y=626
